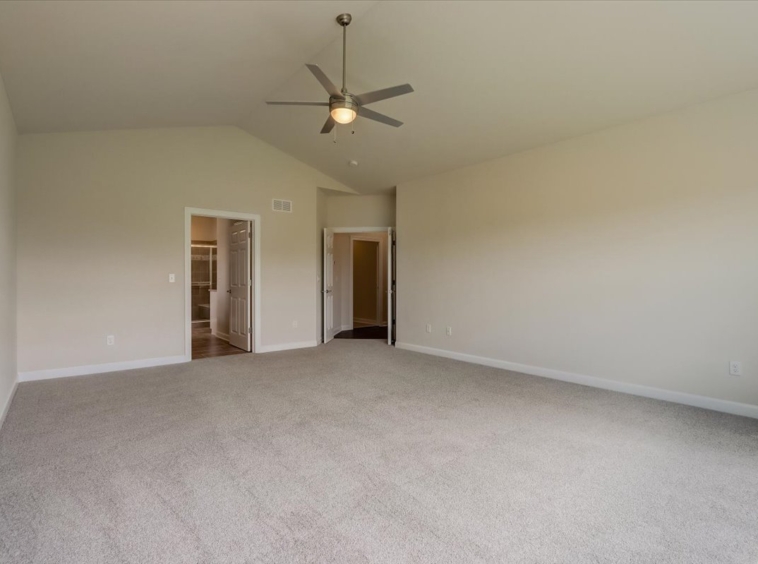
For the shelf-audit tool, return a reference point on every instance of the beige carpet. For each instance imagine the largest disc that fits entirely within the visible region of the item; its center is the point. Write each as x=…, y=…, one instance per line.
x=356, y=452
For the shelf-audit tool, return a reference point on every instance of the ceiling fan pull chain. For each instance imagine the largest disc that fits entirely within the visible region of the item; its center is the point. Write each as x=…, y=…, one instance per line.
x=335, y=135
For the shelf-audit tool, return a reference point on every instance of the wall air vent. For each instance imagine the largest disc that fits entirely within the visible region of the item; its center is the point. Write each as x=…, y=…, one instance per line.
x=282, y=206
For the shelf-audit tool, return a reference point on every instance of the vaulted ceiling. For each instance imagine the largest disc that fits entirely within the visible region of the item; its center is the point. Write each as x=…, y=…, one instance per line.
x=490, y=78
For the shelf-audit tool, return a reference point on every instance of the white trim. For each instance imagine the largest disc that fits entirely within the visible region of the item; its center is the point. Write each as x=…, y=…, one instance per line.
x=256, y=219
x=7, y=406
x=358, y=229
x=287, y=346
x=100, y=368
x=390, y=288
x=725, y=406
x=371, y=322
x=222, y=336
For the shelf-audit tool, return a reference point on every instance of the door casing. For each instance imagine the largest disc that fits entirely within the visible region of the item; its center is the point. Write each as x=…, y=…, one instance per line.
x=389, y=274
x=221, y=214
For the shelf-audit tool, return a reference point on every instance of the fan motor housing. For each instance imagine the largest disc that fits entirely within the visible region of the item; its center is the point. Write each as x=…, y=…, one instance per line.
x=347, y=102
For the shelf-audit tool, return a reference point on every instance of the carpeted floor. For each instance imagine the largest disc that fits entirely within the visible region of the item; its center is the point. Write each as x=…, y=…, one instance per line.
x=357, y=452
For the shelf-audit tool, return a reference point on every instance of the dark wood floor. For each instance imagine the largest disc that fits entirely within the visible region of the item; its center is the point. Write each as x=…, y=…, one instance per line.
x=205, y=345
x=363, y=333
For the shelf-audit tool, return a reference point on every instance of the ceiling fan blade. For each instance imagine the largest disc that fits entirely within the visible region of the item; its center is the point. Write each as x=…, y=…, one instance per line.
x=329, y=125
x=377, y=95
x=324, y=80
x=376, y=116
x=297, y=103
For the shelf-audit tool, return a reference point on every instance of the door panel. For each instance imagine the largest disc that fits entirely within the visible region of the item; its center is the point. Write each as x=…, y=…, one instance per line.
x=240, y=285
x=328, y=291
x=391, y=282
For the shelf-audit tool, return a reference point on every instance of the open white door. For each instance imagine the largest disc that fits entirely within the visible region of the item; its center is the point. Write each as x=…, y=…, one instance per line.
x=390, y=286
x=240, y=285
x=328, y=291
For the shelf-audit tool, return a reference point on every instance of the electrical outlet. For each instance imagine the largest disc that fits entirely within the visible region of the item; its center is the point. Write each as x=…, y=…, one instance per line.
x=449, y=331
x=428, y=328
x=172, y=278
x=110, y=340
x=735, y=368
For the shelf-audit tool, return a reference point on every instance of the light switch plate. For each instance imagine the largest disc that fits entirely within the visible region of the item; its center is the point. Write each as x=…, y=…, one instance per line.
x=172, y=278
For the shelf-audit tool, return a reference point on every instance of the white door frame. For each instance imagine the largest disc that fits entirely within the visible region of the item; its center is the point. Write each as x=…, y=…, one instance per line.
x=220, y=214
x=356, y=230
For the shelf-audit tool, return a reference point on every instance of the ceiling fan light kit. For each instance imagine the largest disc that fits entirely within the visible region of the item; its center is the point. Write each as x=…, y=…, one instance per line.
x=343, y=110
x=343, y=106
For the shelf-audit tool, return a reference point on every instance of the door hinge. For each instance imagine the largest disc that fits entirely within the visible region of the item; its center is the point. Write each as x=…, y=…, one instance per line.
x=249, y=330
x=249, y=234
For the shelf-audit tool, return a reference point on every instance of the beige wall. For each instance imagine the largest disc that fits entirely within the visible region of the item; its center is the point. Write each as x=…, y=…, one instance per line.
x=629, y=255
x=7, y=252
x=365, y=280
x=360, y=211
x=101, y=225
x=203, y=228
x=346, y=210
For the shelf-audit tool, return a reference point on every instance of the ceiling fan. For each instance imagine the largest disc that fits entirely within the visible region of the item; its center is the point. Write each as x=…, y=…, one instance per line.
x=344, y=107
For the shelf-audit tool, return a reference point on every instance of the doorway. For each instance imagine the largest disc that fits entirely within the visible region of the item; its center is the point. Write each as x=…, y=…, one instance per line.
x=222, y=282
x=358, y=284
x=367, y=284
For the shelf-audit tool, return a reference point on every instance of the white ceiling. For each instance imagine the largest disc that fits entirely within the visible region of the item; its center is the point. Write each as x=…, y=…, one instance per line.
x=108, y=65
x=491, y=78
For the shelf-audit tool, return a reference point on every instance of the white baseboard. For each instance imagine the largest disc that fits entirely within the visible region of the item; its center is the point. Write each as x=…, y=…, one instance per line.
x=287, y=346
x=725, y=406
x=371, y=322
x=8, y=402
x=220, y=335
x=99, y=368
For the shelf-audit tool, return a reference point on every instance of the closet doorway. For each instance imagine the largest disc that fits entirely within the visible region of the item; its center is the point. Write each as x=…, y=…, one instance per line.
x=222, y=281
x=358, y=284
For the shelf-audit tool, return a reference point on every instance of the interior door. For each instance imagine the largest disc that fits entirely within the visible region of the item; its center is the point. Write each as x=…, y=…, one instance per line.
x=240, y=286
x=391, y=279
x=328, y=291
